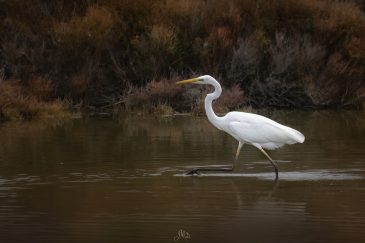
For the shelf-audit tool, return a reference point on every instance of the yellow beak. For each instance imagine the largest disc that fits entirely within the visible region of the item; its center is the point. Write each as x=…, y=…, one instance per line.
x=193, y=80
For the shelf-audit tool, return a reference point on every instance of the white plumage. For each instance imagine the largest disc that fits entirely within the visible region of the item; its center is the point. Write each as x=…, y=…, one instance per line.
x=259, y=130
x=247, y=128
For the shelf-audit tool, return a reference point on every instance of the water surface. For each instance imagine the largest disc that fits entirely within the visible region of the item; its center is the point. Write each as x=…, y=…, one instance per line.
x=122, y=180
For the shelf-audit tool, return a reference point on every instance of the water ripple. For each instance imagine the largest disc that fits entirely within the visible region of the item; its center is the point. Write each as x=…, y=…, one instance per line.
x=310, y=175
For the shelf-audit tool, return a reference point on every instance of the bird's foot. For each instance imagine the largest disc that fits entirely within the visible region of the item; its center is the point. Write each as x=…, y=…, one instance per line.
x=193, y=172
x=196, y=170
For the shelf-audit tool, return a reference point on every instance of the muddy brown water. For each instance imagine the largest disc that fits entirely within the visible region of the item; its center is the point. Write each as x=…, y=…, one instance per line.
x=122, y=180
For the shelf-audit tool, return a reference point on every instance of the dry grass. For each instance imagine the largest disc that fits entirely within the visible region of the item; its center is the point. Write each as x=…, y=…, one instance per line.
x=153, y=96
x=163, y=109
x=165, y=97
x=55, y=110
x=39, y=87
x=18, y=104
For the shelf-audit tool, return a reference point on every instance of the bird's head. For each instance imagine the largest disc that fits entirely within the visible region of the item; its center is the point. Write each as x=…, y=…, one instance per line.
x=205, y=79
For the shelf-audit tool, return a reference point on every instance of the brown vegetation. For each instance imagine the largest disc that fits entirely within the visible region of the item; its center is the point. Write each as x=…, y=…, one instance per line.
x=29, y=102
x=282, y=53
x=164, y=97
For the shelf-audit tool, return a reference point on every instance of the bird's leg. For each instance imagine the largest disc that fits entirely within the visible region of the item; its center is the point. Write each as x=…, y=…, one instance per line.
x=196, y=170
x=237, y=154
x=273, y=163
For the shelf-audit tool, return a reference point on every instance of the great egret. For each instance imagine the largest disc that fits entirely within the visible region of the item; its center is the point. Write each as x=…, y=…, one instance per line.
x=246, y=128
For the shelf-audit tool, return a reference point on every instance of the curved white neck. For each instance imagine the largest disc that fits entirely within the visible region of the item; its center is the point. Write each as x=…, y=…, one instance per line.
x=213, y=118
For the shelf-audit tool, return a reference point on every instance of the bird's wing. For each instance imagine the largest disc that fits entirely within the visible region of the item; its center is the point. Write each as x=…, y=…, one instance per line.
x=262, y=133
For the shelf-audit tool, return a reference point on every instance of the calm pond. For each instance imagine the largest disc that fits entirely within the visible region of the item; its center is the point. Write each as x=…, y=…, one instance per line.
x=122, y=180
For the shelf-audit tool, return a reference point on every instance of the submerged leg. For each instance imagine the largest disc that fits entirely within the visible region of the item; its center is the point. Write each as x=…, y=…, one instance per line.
x=272, y=162
x=196, y=170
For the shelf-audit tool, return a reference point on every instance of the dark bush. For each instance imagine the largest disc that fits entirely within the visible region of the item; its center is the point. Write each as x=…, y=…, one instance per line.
x=282, y=53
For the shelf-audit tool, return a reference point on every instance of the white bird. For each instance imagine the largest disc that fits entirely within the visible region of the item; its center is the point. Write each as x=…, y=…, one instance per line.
x=246, y=128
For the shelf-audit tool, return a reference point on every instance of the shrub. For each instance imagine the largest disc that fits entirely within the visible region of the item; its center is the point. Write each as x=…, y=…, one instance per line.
x=79, y=83
x=163, y=91
x=93, y=29
x=231, y=98
x=153, y=94
x=16, y=103
x=39, y=87
x=283, y=53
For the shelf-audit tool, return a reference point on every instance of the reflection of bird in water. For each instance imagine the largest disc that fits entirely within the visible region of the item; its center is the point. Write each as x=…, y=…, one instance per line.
x=266, y=197
x=246, y=128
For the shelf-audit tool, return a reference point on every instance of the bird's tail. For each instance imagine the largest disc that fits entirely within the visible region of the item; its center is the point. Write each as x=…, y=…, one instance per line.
x=297, y=136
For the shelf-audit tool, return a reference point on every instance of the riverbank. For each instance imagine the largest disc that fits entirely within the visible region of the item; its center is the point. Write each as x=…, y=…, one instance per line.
x=156, y=98
x=281, y=54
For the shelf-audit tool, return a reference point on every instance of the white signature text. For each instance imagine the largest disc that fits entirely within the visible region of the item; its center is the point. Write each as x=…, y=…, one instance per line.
x=182, y=235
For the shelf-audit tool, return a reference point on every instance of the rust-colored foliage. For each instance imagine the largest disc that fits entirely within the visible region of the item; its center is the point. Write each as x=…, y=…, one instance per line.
x=10, y=90
x=39, y=87
x=154, y=94
x=282, y=53
x=94, y=28
x=18, y=102
x=79, y=83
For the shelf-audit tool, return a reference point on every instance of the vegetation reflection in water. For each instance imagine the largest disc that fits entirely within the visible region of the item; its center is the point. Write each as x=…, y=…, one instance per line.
x=97, y=180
